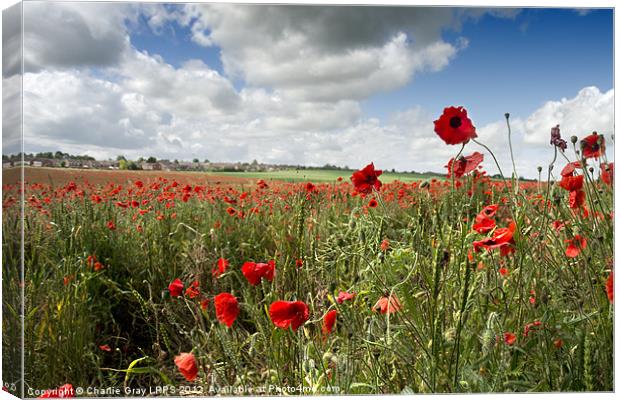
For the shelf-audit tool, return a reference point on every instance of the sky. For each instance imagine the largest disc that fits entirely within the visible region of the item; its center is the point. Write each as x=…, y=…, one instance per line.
x=308, y=85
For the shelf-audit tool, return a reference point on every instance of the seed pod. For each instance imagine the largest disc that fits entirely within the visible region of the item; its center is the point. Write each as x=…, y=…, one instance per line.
x=573, y=139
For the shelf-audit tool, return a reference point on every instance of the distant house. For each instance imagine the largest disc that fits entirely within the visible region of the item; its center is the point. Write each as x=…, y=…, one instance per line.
x=41, y=162
x=108, y=164
x=73, y=163
x=151, y=166
x=7, y=165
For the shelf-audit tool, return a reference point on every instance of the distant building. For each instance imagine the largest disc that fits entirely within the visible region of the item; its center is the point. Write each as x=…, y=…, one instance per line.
x=151, y=166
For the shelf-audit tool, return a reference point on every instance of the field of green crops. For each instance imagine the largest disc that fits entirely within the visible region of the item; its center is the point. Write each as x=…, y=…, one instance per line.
x=317, y=175
x=319, y=286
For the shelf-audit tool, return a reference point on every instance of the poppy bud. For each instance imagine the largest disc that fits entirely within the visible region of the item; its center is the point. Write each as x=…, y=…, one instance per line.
x=573, y=139
x=539, y=168
x=591, y=169
x=507, y=115
x=551, y=167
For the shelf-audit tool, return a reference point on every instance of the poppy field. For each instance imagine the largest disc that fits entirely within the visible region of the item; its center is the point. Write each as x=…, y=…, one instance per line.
x=354, y=286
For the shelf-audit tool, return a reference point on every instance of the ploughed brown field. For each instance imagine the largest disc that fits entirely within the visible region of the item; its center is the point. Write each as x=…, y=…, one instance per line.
x=62, y=176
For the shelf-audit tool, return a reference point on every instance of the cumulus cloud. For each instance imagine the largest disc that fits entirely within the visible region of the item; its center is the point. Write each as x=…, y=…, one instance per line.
x=11, y=41
x=590, y=110
x=324, y=53
x=74, y=34
x=305, y=71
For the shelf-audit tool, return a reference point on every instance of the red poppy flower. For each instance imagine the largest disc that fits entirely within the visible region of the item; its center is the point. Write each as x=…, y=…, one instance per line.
x=366, y=179
x=226, y=308
x=111, y=225
x=571, y=183
x=558, y=225
x=532, y=326
x=569, y=169
x=510, y=338
x=609, y=286
x=299, y=263
x=454, y=127
x=67, y=279
x=483, y=224
x=576, y=198
x=464, y=165
x=592, y=146
x=186, y=363
x=558, y=343
x=385, y=244
x=310, y=187
x=489, y=211
x=502, y=239
x=64, y=391
x=387, y=305
x=175, y=288
x=575, y=246
x=231, y=211
x=204, y=303
x=222, y=266
x=329, y=320
x=344, y=296
x=285, y=314
x=255, y=271
x=193, y=290
x=105, y=347
x=607, y=173
x=373, y=203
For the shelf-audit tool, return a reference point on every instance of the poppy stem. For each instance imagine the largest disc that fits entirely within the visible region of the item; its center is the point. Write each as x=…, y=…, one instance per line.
x=515, y=177
x=496, y=163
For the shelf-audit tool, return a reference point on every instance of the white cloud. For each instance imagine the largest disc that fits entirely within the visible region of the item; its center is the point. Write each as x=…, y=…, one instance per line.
x=305, y=70
x=69, y=35
x=590, y=110
x=324, y=53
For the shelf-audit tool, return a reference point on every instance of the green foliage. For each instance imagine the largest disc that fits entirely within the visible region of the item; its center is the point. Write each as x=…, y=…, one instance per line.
x=447, y=336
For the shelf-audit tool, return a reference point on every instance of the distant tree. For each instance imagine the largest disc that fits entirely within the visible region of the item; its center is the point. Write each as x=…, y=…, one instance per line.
x=195, y=161
x=120, y=158
x=393, y=170
x=122, y=163
x=139, y=160
x=151, y=160
x=63, y=164
x=207, y=161
x=176, y=161
x=132, y=166
x=59, y=154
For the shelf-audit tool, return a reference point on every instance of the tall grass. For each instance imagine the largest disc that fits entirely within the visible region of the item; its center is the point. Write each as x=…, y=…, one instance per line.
x=448, y=336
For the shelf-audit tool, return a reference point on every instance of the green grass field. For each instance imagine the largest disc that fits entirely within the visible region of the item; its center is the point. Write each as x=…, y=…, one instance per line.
x=317, y=175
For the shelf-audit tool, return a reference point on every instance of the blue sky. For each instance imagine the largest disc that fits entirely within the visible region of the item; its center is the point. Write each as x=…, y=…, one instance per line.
x=542, y=53
x=310, y=85
x=515, y=65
